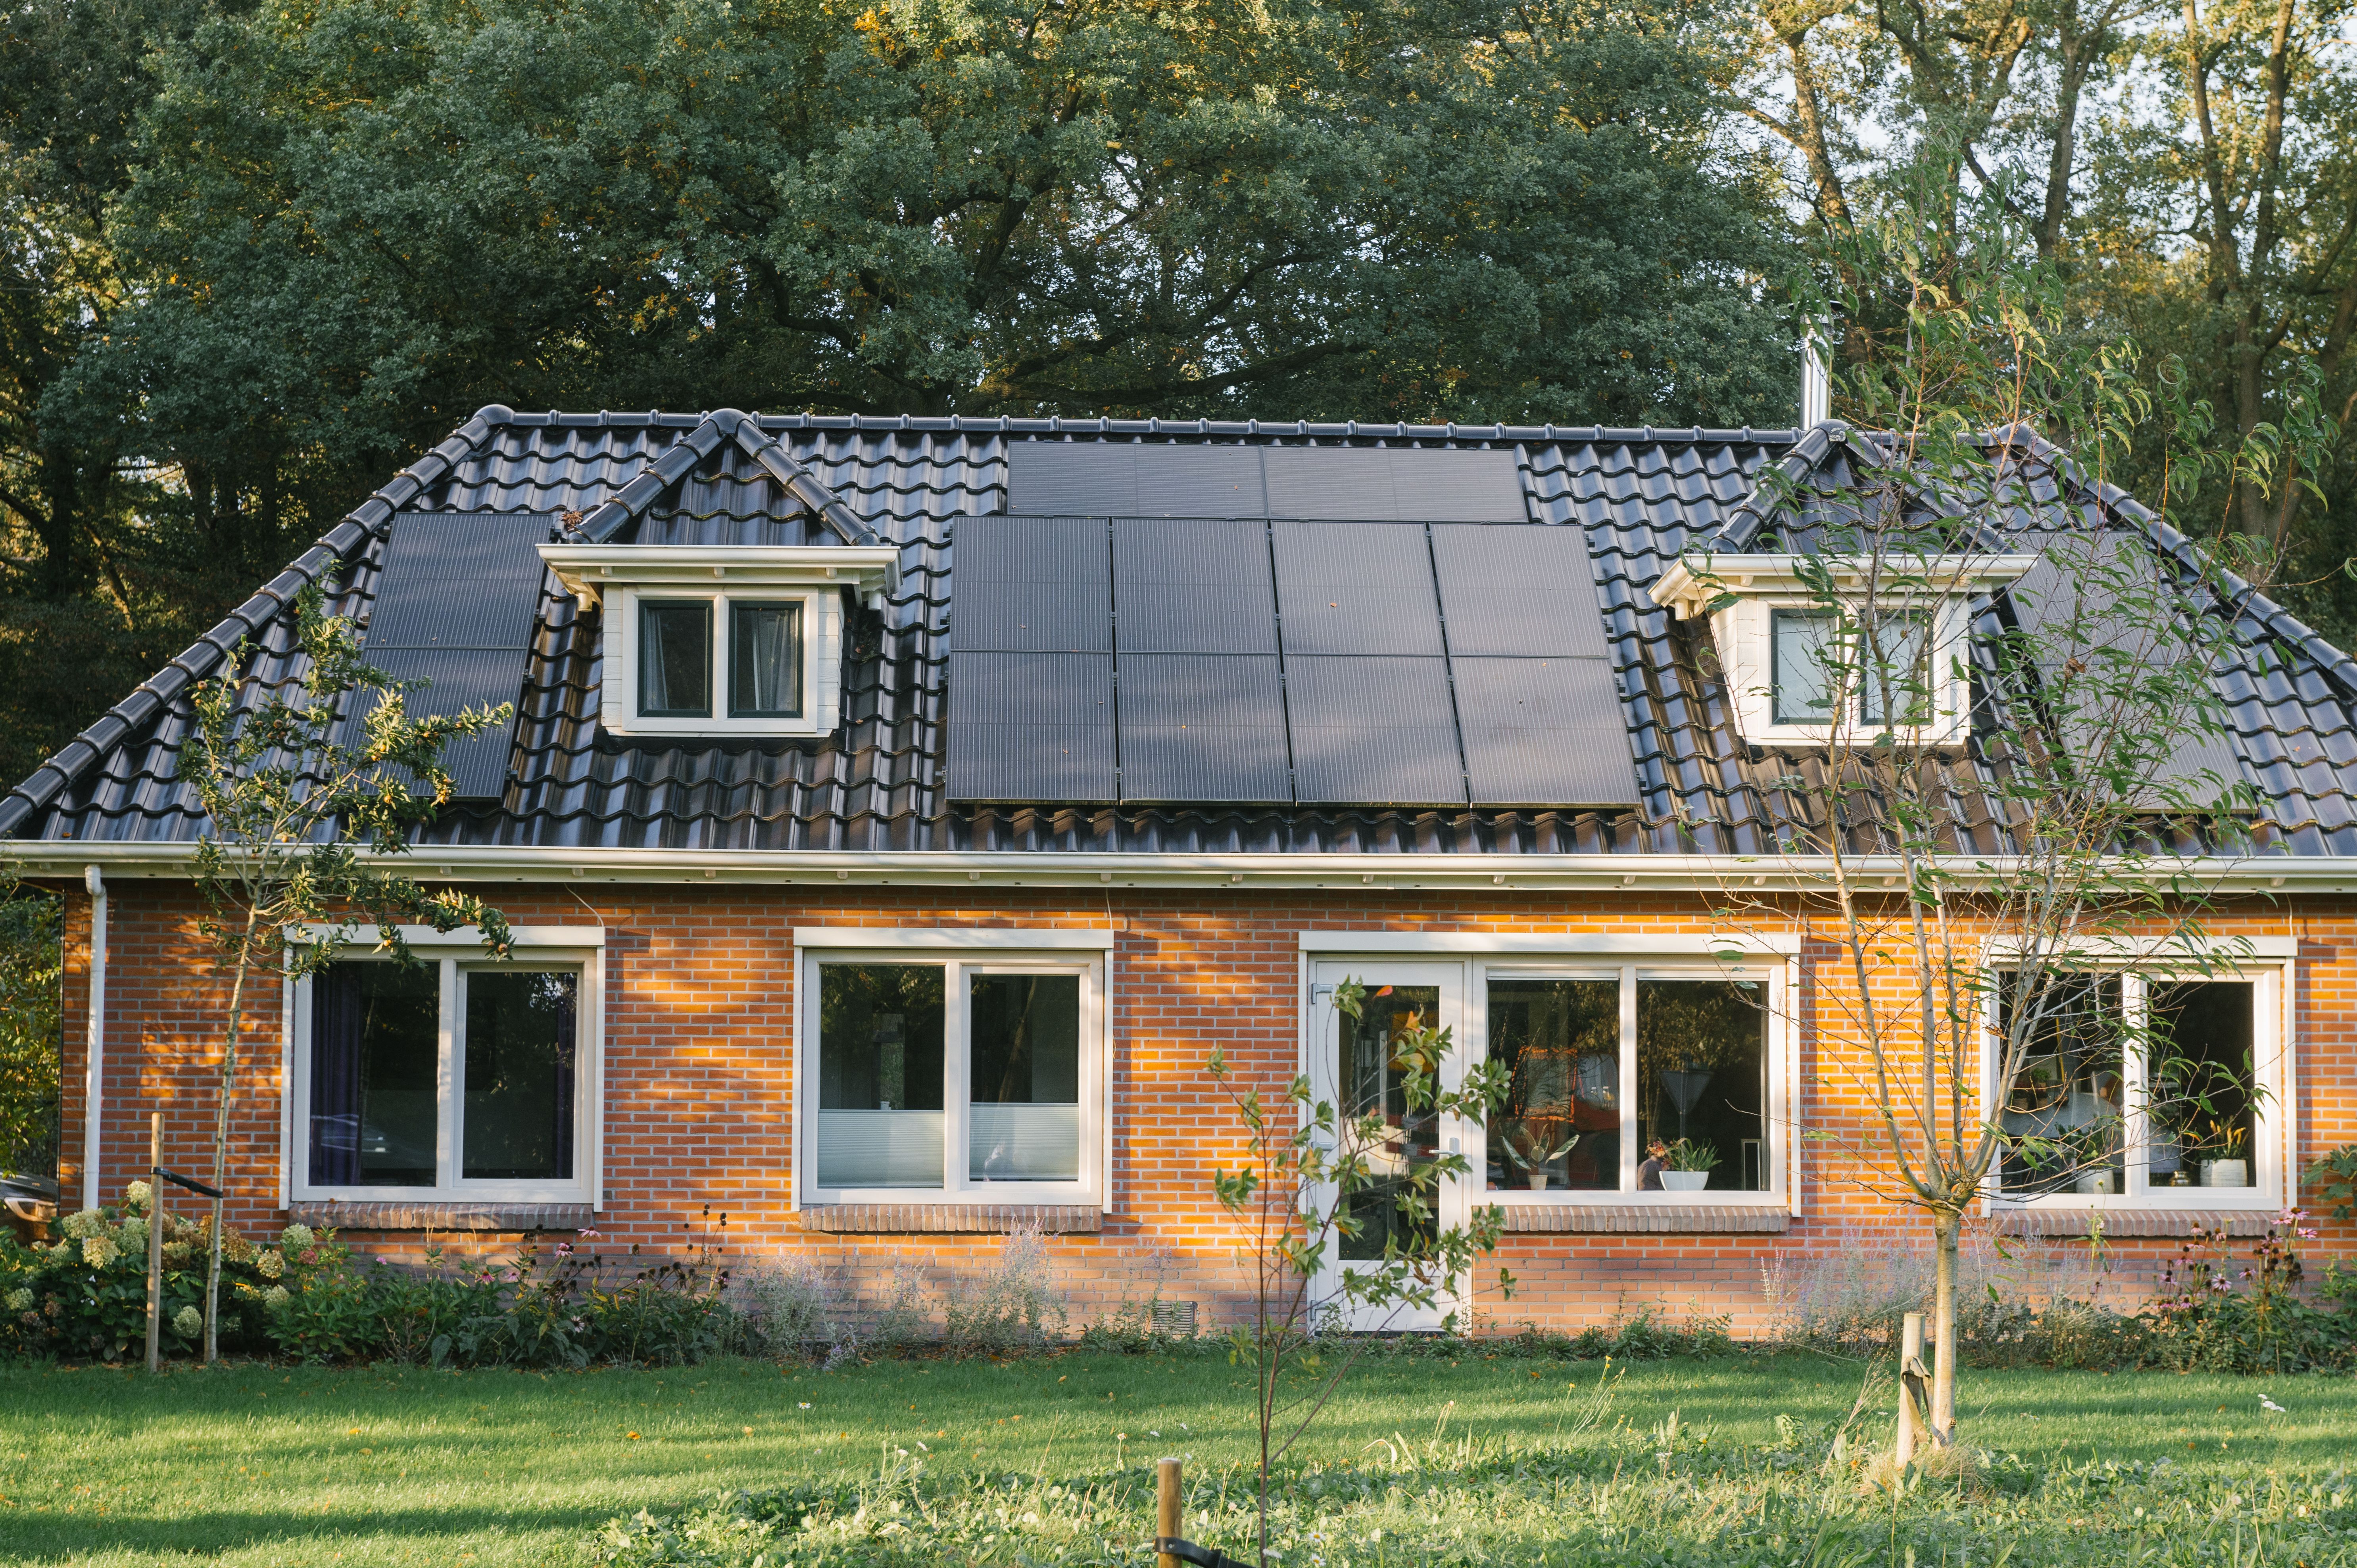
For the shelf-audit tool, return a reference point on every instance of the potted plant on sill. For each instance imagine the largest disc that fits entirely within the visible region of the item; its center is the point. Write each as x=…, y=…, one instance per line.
x=1690, y=1164
x=2229, y=1169
x=1533, y=1156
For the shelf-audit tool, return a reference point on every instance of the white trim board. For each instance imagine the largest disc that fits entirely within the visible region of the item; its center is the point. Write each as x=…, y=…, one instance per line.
x=1567, y=944
x=361, y=936
x=965, y=938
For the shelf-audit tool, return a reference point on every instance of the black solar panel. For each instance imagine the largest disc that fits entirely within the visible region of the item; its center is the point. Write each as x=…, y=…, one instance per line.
x=1517, y=590
x=2058, y=603
x=1356, y=587
x=1204, y=726
x=1374, y=731
x=1394, y=486
x=1072, y=478
x=1031, y=584
x=1031, y=727
x=455, y=604
x=1543, y=731
x=1193, y=585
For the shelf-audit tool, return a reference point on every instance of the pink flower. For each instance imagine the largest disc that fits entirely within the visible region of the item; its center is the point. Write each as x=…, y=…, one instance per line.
x=565, y=1249
x=2307, y=1233
x=588, y=1235
x=512, y=1277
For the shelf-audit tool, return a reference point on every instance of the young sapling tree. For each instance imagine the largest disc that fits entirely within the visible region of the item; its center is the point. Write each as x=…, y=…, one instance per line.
x=300, y=827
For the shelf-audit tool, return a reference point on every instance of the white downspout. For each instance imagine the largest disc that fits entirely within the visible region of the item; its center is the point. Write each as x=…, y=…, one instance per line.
x=94, y=1059
x=1816, y=383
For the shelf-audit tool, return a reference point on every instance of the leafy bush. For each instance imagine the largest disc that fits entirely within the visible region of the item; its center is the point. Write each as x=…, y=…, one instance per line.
x=84, y=1296
x=31, y=957
x=2335, y=1177
x=1009, y=1307
x=2219, y=1315
x=788, y=1308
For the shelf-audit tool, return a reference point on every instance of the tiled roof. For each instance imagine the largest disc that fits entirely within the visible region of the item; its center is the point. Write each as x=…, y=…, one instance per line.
x=1641, y=495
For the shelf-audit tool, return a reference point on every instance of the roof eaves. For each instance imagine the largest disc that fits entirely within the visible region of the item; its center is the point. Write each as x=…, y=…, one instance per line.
x=201, y=657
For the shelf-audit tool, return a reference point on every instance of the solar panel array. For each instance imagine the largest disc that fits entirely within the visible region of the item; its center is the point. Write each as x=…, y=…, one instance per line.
x=455, y=604
x=1110, y=658
x=1406, y=484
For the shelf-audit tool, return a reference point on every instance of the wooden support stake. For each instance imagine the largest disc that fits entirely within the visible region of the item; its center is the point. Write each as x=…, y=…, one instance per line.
x=155, y=1241
x=1910, y=1387
x=1168, y=1509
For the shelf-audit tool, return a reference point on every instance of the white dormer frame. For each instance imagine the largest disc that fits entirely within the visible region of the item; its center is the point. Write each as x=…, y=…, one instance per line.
x=1741, y=593
x=616, y=576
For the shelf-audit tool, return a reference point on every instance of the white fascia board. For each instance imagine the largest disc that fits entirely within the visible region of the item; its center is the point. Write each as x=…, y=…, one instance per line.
x=963, y=939
x=587, y=570
x=1511, y=944
x=1687, y=590
x=1747, y=874
x=2151, y=951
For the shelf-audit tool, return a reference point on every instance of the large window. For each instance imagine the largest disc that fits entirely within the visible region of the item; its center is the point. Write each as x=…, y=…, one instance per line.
x=717, y=662
x=1637, y=1082
x=449, y=1077
x=2136, y=1085
x=968, y=1077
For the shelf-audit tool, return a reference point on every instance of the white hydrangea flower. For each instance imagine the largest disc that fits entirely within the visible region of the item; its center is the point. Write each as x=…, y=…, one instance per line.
x=269, y=1264
x=20, y=1301
x=89, y=1222
x=186, y=1322
x=296, y=1238
x=274, y=1297
x=138, y=1194
x=133, y=1236
x=97, y=1251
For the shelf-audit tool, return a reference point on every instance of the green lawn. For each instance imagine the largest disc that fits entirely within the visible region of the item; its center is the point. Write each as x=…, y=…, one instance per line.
x=1475, y=1461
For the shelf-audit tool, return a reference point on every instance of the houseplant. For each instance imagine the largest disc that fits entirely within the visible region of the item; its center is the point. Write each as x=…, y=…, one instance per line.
x=2229, y=1169
x=1526, y=1146
x=1691, y=1163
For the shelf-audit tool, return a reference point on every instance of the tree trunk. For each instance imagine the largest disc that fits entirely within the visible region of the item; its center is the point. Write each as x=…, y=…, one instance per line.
x=1949, y=1228
x=221, y=1141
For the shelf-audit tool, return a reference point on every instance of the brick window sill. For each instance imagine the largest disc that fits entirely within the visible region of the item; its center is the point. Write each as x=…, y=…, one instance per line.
x=1646, y=1219
x=952, y=1219
x=513, y=1217
x=2123, y=1221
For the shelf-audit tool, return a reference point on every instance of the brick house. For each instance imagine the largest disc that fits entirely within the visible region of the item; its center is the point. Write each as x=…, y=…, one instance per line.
x=884, y=908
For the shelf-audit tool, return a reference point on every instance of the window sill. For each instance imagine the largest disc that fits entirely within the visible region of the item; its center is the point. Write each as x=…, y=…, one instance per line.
x=2125, y=1220
x=953, y=1219
x=443, y=1216
x=1646, y=1219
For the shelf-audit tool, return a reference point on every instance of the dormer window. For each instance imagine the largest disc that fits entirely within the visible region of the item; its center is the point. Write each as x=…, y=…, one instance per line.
x=1817, y=652
x=720, y=640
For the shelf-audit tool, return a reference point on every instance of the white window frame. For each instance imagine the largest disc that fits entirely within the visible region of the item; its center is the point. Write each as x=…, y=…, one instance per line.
x=1773, y=961
x=821, y=637
x=453, y=953
x=1087, y=953
x=2268, y=964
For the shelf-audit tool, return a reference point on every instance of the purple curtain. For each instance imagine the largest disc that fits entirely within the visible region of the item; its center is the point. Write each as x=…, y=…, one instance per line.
x=335, y=1014
x=567, y=1010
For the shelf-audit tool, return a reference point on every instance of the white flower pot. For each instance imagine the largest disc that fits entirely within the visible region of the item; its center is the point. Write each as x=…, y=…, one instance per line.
x=2225, y=1173
x=1538, y=1180
x=1684, y=1181
x=2096, y=1182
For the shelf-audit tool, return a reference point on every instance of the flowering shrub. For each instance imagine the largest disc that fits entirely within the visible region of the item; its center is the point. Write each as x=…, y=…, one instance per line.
x=84, y=1295
x=2221, y=1314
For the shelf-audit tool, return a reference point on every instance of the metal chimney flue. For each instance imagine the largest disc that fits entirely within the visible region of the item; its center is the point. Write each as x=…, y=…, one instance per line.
x=1817, y=384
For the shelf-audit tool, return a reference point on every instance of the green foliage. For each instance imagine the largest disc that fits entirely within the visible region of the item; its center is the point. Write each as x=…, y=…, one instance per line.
x=2218, y=1312
x=83, y=1296
x=32, y=960
x=1693, y=1154
x=2334, y=1175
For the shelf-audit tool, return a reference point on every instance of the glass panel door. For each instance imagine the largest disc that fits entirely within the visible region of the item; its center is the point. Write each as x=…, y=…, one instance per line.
x=1355, y=1066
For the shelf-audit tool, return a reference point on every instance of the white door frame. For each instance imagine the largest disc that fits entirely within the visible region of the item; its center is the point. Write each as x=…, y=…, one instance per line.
x=1452, y=1199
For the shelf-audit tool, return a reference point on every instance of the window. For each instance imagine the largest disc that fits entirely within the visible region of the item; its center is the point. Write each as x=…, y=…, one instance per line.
x=971, y=1077
x=765, y=661
x=2140, y=1086
x=1601, y=1071
x=1807, y=663
x=453, y=1077
x=1887, y=666
x=675, y=659
x=759, y=663
x=1895, y=669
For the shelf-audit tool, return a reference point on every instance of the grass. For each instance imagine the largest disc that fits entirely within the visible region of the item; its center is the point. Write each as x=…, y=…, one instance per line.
x=1470, y=1460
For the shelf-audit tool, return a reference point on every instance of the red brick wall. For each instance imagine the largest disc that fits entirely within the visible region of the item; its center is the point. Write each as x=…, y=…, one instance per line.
x=699, y=999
